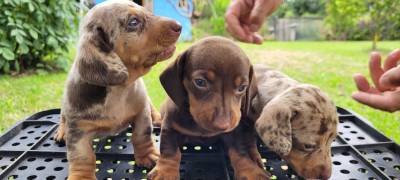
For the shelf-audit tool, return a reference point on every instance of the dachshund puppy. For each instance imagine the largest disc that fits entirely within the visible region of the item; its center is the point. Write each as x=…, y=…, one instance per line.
x=119, y=42
x=297, y=121
x=210, y=87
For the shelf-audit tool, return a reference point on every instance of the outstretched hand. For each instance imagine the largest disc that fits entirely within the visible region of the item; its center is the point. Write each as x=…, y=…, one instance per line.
x=244, y=18
x=385, y=94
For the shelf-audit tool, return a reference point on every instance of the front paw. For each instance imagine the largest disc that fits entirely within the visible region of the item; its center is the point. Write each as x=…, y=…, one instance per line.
x=60, y=134
x=159, y=173
x=256, y=157
x=156, y=118
x=252, y=173
x=148, y=160
x=79, y=177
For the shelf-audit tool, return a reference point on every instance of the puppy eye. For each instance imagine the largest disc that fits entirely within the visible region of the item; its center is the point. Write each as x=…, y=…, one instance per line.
x=309, y=147
x=242, y=88
x=201, y=83
x=133, y=24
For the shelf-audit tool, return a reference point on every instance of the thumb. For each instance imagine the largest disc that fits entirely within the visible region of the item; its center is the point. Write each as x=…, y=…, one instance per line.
x=391, y=78
x=260, y=10
x=258, y=14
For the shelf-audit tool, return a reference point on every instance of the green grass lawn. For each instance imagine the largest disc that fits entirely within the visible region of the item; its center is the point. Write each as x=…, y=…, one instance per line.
x=329, y=65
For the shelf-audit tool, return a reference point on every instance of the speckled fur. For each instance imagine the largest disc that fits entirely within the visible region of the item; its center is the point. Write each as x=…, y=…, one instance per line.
x=104, y=92
x=291, y=116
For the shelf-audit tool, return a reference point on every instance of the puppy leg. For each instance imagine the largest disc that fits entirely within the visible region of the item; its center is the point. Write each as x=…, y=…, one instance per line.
x=167, y=167
x=255, y=155
x=60, y=134
x=248, y=141
x=244, y=167
x=81, y=158
x=145, y=152
x=155, y=116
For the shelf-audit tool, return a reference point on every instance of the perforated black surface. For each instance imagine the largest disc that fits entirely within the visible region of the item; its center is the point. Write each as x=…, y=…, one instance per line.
x=28, y=151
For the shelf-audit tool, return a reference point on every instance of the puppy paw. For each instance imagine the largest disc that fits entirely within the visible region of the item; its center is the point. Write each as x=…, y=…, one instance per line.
x=60, y=134
x=252, y=173
x=148, y=160
x=156, y=118
x=79, y=177
x=158, y=173
x=256, y=157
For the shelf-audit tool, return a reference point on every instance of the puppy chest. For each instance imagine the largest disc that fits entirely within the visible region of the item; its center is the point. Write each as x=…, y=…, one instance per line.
x=124, y=103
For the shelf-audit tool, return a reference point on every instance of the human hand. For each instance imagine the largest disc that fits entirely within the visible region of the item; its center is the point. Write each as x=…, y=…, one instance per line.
x=386, y=93
x=244, y=18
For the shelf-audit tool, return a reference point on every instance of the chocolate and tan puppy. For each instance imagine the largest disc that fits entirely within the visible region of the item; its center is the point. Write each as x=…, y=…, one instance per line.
x=297, y=121
x=119, y=42
x=210, y=87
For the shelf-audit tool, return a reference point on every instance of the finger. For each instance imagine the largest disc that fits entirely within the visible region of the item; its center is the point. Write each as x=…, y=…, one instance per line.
x=392, y=59
x=258, y=15
x=275, y=6
x=361, y=82
x=235, y=28
x=255, y=38
x=260, y=10
x=375, y=69
x=391, y=78
x=377, y=101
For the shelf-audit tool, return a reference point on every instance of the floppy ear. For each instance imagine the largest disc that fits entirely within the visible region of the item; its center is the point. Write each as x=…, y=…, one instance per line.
x=96, y=60
x=274, y=127
x=172, y=80
x=251, y=92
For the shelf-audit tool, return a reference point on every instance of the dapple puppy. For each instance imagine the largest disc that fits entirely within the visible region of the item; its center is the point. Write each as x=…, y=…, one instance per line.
x=119, y=42
x=297, y=121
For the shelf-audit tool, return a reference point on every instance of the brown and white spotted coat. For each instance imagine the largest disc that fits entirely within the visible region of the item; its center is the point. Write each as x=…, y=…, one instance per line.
x=119, y=42
x=297, y=121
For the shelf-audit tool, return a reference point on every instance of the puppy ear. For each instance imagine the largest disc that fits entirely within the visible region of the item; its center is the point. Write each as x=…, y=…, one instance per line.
x=172, y=80
x=103, y=40
x=274, y=127
x=96, y=61
x=251, y=92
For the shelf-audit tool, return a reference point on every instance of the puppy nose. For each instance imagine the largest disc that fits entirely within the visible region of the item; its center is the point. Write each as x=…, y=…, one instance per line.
x=176, y=27
x=222, y=121
x=325, y=175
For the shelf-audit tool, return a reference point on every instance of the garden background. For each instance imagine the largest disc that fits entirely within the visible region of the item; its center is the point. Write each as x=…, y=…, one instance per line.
x=332, y=41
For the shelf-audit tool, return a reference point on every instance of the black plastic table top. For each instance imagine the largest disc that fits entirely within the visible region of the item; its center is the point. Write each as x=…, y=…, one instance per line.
x=28, y=151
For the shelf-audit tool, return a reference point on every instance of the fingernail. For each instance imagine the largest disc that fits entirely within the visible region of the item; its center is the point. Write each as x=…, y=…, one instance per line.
x=354, y=95
x=374, y=53
x=257, y=41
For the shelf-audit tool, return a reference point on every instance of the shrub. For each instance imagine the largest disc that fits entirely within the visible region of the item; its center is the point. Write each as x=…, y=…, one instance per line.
x=385, y=18
x=212, y=20
x=35, y=34
x=343, y=16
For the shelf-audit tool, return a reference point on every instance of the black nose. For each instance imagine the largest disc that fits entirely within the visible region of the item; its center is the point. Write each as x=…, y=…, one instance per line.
x=176, y=27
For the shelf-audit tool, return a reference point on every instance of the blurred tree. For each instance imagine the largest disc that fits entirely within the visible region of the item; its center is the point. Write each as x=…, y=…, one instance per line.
x=385, y=19
x=363, y=20
x=298, y=8
x=342, y=17
x=301, y=7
